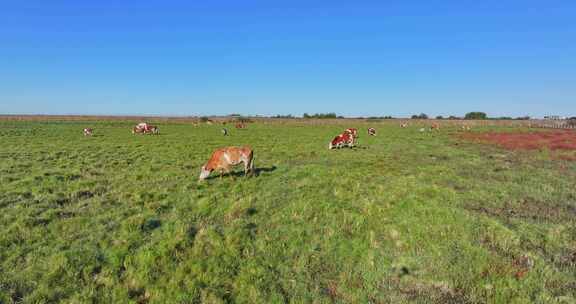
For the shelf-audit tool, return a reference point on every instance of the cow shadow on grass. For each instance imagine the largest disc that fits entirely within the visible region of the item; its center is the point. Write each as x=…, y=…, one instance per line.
x=234, y=174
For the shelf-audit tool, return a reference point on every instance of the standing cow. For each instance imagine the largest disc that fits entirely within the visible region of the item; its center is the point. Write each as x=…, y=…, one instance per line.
x=88, y=131
x=224, y=158
x=371, y=131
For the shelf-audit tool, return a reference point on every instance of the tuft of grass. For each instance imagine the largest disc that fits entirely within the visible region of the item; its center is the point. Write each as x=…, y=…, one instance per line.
x=405, y=217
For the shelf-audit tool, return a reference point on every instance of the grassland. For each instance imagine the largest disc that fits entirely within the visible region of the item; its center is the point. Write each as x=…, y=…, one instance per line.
x=407, y=217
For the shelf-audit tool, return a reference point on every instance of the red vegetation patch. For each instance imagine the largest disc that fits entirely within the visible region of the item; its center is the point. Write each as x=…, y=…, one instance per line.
x=554, y=140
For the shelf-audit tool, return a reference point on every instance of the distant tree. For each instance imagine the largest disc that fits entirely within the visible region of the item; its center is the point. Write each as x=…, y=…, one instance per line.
x=504, y=118
x=476, y=115
x=322, y=115
x=421, y=116
x=523, y=118
x=452, y=117
x=204, y=119
x=380, y=117
x=439, y=117
x=289, y=116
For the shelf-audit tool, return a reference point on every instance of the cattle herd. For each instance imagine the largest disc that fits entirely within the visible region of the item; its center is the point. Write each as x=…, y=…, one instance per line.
x=224, y=158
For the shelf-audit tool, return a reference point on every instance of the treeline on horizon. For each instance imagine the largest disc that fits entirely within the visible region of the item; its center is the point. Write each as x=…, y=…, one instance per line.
x=468, y=116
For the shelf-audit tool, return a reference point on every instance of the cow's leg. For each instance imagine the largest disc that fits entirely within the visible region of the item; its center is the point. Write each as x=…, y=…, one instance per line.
x=227, y=169
x=247, y=167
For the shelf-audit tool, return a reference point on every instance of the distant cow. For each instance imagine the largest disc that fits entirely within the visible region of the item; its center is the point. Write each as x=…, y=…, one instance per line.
x=466, y=128
x=371, y=131
x=88, y=131
x=404, y=125
x=240, y=125
x=343, y=140
x=224, y=158
x=435, y=126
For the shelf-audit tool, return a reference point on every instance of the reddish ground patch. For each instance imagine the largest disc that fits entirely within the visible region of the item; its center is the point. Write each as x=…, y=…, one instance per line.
x=557, y=140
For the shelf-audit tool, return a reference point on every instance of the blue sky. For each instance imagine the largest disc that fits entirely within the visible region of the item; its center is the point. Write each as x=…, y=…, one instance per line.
x=270, y=57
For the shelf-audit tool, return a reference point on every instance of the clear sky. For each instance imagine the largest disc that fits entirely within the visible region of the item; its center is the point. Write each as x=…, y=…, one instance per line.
x=504, y=57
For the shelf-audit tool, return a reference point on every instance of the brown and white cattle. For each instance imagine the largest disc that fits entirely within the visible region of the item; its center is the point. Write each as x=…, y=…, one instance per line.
x=145, y=128
x=240, y=125
x=404, y=125
x=353, y=133
x=343, y=140
x=224, y=158
x=371, y=131
x=435, y=127
x=88, y=131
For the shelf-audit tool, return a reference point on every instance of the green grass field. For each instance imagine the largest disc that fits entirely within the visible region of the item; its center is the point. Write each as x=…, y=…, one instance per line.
x=407, y=217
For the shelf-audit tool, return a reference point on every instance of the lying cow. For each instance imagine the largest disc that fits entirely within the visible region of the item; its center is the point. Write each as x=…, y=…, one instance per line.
x=343, y=140
x=224, y=158
x=144, y=128
x=353, y=133
x=88, y=131
x=371, y=131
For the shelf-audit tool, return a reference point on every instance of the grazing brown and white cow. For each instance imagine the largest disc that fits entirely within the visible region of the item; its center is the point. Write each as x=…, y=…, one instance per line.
x=240, y=125
x=224, y=158
x=88, y=131
x=343, y=140
x=404, y=125
x=435, y=126
x=371, y=131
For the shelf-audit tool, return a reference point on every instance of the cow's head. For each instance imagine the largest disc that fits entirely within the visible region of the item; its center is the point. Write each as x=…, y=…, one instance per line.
x=204, y=173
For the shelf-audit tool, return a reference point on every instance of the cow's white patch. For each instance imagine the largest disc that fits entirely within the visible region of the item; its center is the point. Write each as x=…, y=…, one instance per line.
x=227, y=157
